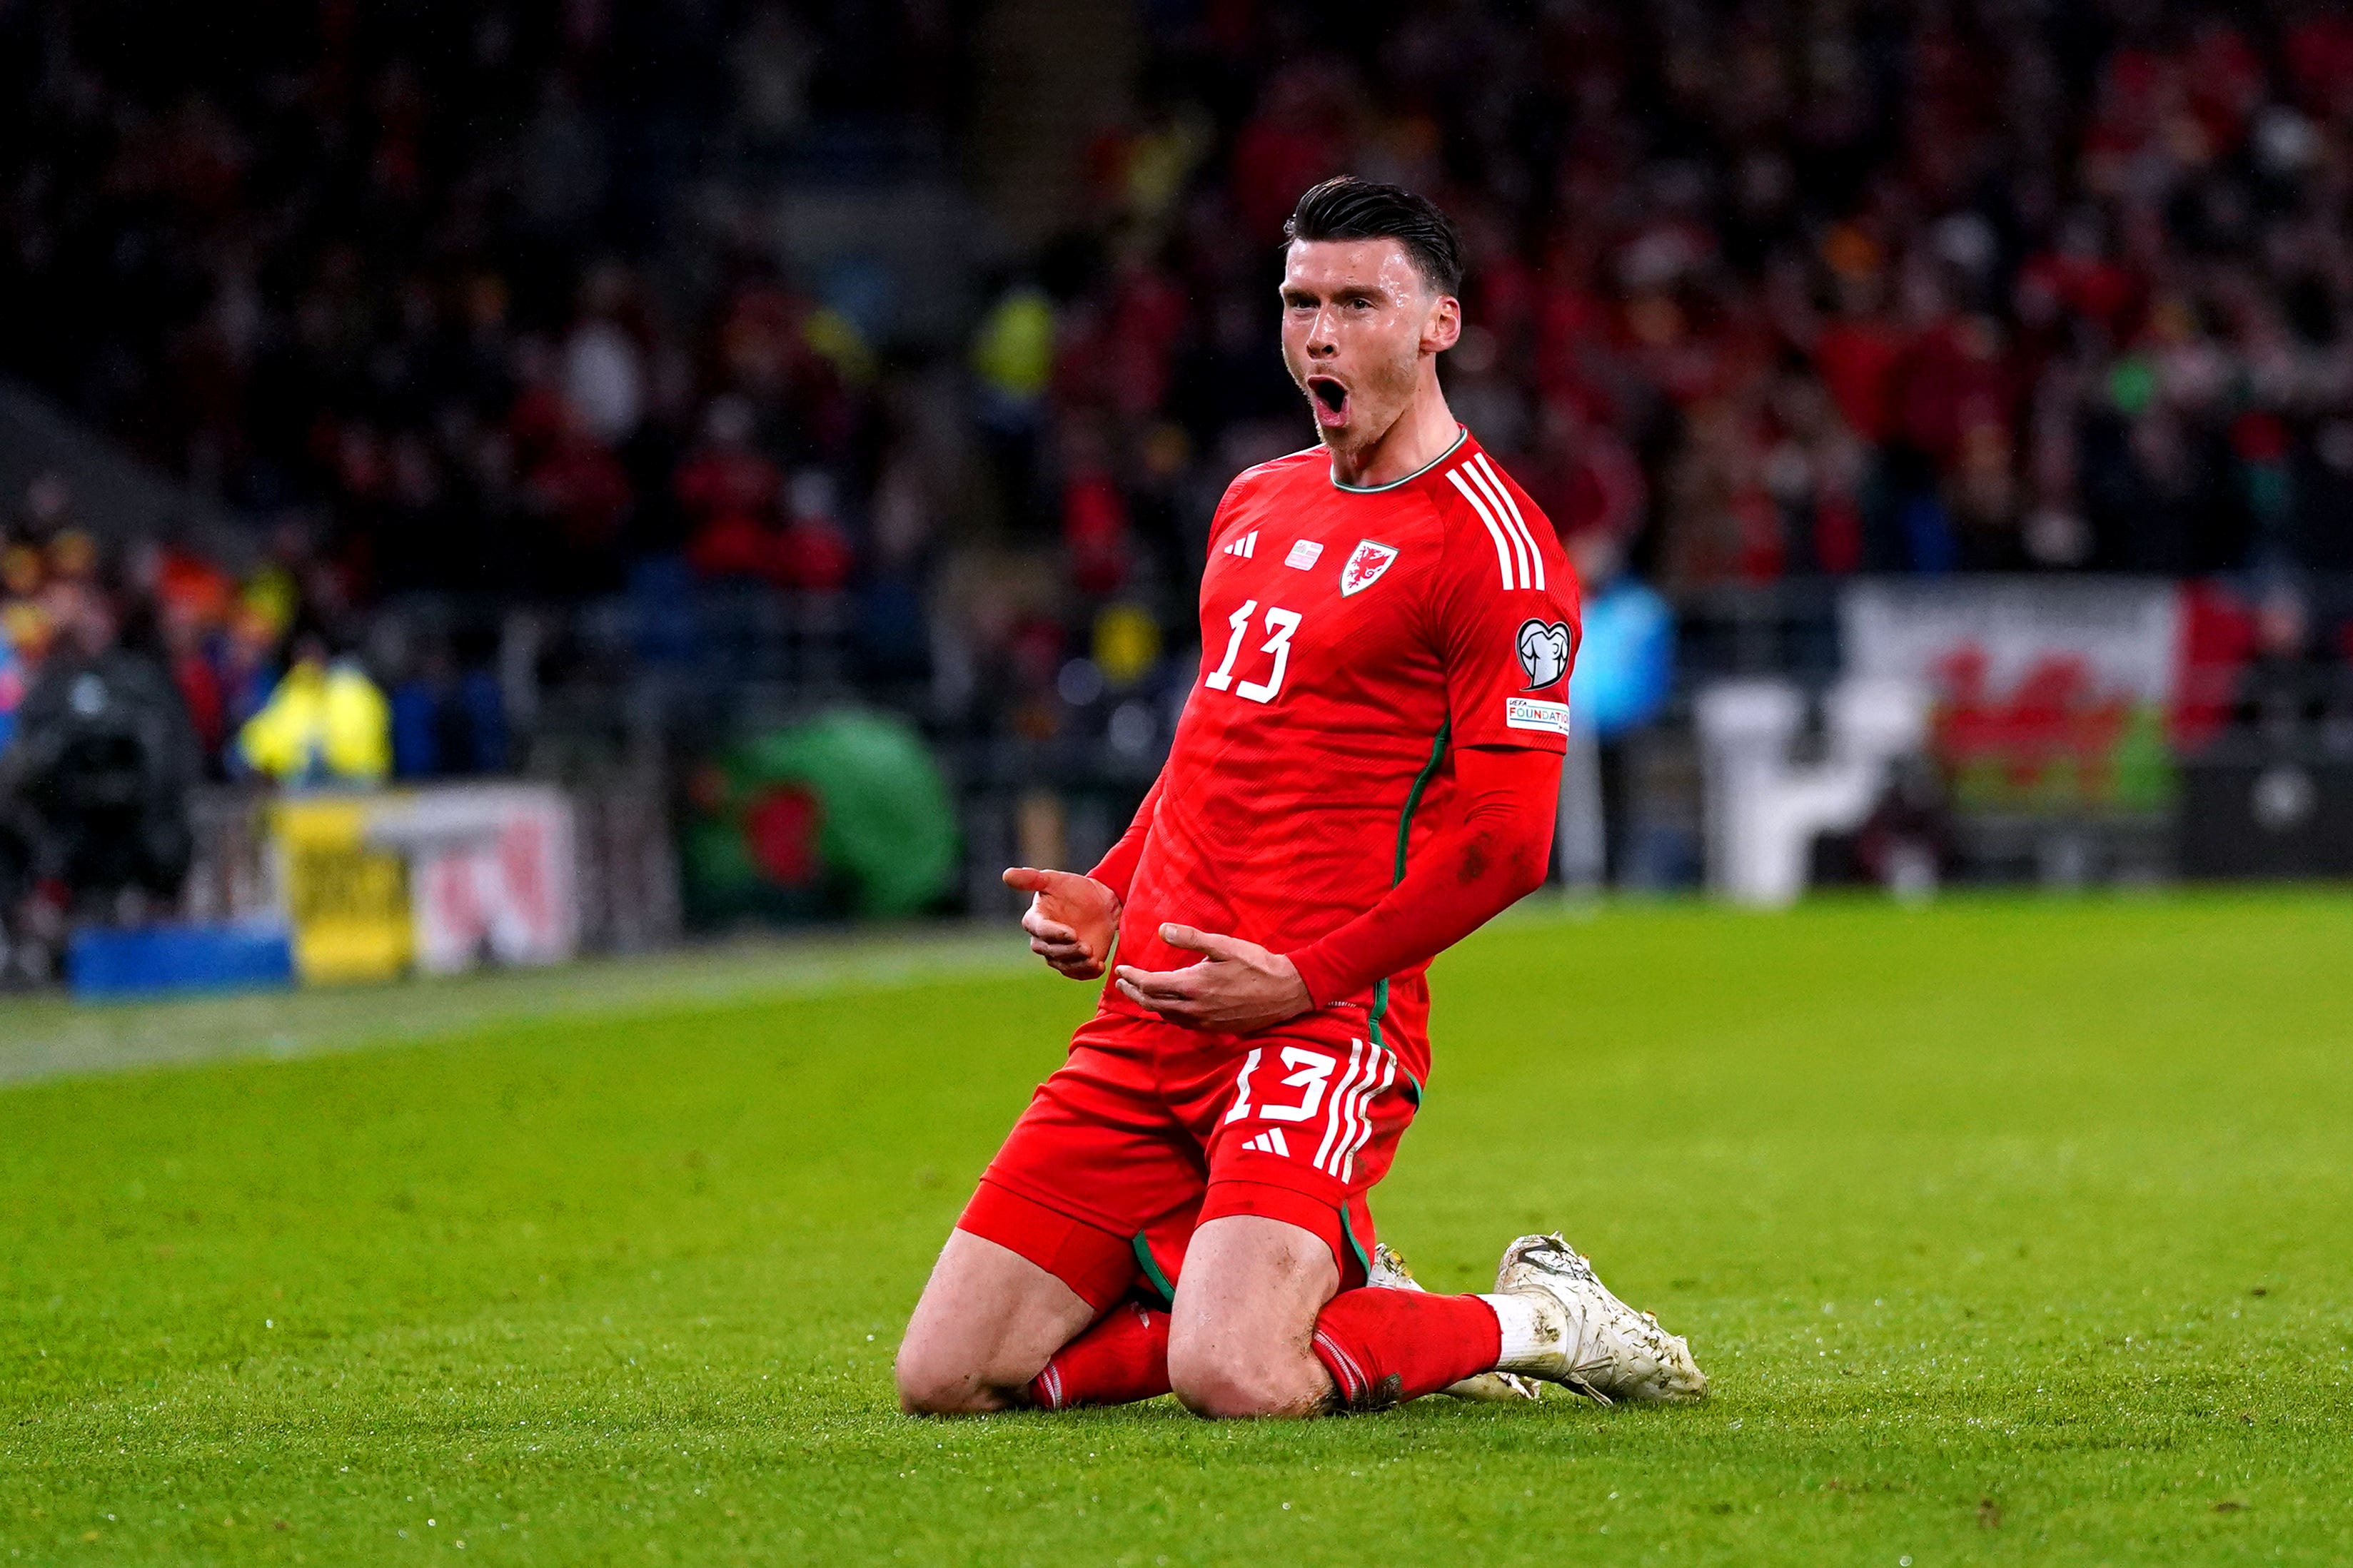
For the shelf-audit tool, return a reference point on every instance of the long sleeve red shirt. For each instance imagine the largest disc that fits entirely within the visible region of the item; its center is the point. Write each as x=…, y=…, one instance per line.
x=1492, y=859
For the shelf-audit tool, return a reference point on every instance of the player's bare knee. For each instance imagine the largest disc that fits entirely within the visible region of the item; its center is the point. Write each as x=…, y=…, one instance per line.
x=932, y=1382
x=1229, y=1390
x=934, y=1390
x=943, y=1376
x=921, y=1391
x=1225, y=1398
x=944, y=1400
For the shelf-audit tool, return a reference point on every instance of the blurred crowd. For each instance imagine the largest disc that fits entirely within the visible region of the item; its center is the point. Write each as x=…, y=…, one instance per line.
x=1757, y=291
x=385, y=271
x=255, y=664
x=1763, y=289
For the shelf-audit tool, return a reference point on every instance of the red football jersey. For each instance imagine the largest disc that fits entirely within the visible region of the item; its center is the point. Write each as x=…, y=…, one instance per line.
x=1352, y=640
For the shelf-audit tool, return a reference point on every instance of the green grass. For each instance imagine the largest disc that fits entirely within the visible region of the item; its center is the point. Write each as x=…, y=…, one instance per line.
x=2010, y=1231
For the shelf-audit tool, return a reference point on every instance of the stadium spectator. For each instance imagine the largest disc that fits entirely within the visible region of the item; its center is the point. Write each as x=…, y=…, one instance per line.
x=2290, y=694
x=1764, y=293
x=445, y=718
x=324, y=723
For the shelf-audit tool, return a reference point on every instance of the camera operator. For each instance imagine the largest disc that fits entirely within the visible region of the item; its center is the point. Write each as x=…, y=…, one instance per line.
x=96, y=786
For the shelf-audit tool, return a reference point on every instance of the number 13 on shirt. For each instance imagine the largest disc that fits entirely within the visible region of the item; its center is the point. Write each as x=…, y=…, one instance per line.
x=1280, y=624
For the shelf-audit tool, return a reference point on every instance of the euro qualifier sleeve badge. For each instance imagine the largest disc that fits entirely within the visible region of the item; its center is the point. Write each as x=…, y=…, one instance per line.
x=1544, y=651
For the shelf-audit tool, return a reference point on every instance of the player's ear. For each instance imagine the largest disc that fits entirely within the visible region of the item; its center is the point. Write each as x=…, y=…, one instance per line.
x=1442, y=326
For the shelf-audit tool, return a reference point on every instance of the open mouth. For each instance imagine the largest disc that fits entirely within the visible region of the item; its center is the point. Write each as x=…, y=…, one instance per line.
x=1330, y=400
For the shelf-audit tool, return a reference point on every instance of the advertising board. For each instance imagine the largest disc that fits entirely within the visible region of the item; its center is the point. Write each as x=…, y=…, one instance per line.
x=439, y=879
x=346, y=896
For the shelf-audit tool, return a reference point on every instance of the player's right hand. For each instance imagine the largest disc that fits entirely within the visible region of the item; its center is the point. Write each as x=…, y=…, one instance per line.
x=1071, y=920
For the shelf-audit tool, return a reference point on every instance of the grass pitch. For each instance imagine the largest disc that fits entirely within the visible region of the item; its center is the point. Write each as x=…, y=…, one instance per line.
x=2008, y=1231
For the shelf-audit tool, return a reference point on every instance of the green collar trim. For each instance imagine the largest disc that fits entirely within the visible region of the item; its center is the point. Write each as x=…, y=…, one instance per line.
x=1462, y=434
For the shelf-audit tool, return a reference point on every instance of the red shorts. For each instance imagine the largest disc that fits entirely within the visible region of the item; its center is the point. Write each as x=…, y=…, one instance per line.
x=1149, y=1129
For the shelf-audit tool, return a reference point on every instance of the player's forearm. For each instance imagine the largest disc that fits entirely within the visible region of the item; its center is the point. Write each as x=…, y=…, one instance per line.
x=1116, y=869
x=1468, y=878
x=1495, y=858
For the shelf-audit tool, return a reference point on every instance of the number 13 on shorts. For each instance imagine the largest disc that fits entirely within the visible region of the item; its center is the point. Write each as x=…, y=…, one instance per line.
x=1346, y=1119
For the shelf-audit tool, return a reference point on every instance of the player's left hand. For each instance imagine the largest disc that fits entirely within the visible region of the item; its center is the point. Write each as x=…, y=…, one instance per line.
x=1238, y=985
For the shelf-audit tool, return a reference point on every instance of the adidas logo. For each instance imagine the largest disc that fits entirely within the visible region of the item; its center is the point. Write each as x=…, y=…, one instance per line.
x=1246, y=546
x=1271, y=1141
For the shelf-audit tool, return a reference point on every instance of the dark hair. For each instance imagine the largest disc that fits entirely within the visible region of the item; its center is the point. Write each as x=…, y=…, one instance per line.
x=1346, y=207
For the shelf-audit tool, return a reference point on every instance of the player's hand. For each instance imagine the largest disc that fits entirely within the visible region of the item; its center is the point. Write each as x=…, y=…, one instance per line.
x=1238, y=987
x=1071, y=919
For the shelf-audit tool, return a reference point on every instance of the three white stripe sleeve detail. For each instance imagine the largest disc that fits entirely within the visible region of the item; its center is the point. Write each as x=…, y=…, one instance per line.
x=1517, y=560
x=1507, y=558
x=1522, y=547
x=1518, y=521
x=1507, y=510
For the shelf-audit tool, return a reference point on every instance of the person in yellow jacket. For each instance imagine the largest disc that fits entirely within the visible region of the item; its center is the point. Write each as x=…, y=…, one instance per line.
x=325, y=722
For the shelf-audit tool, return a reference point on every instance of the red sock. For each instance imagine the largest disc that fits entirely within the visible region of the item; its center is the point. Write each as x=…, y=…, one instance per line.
x=1123, y=1358
x=1383, y=1347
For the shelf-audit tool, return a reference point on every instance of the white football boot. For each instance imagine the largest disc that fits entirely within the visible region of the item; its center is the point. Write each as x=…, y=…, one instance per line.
x=1582, y=1337
x=1389, y=1273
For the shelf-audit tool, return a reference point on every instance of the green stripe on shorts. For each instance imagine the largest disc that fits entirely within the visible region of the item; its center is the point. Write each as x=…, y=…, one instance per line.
x=1152, y=1271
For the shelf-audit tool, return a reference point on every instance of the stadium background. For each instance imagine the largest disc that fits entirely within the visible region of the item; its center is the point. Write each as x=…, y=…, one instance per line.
x=619, y=386
x=705, y=484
